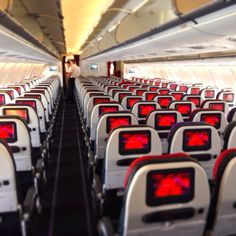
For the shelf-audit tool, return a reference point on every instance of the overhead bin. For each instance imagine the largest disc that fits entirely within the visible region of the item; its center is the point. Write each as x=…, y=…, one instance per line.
x=178, y=36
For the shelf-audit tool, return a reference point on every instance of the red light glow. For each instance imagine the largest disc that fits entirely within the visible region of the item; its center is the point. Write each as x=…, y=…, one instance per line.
x=171, y=184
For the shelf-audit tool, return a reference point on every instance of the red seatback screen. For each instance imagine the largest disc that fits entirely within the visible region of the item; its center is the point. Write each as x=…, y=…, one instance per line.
x=140, y=92
x=134, y=142
x=153, y=89
x=105, y=109
x=217, y=106
x=157, y=83
x=164, y=85
x=131, y=89
x=150, y=96
x=196, y=140
x=212, y=119
x=177, y=96
x=2, y=99
x=122, y=95
x=209, y=93
x=144, y=109
x=8, y=131
x=195, y=100
x=164, y=101
x=228, y=97
x=100, y=100
x=173, y=86
x=195, y=91
x=131, y=101
x=31, y=103
x=183, y=88
x=170, y=186
x=32, y=96
x=21, y=112
x=184, y=109
x=165, y=121
x=115, y=121
x=164, y=91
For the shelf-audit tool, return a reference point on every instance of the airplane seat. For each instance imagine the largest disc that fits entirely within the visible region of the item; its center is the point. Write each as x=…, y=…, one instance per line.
x=172, y=86
x=177, y=95
x=182, y=88
x=128, y=101
x=4, y=98
x=193, y=90
x=15, y=132
x=228, y=97
x=162, y=121
x=29, y=115
x=106, y=124
x=164, y=100
x=86, y=99
x=139, y=91
x=165, y=195
x=208, y=93
x=96, y=114
x=216, y=104
x=163, y=91
x=212, y=117
x=231, y=115
x=141, y=109
x=10, y=91
x=230, y=136
x=93, y=101
x=113, y=91
x=43, y=100
x=124, y=145
x=221, y=216
x=184, y=107
x=196, y=99
x=120, y=95
x=153, y=88
x=9, y=194
x=131, y=88
x=199, y=140
x=149, y=96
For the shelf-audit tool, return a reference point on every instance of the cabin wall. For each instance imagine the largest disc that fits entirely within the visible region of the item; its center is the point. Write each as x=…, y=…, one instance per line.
x=86, y=69
x=214, y=74
x=16, y=72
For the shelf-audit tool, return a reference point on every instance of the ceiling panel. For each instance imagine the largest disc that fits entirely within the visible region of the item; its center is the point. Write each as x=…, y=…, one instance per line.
x=80, y=18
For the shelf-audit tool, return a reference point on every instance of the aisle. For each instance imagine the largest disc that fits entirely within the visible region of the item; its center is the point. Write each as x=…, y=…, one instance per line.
x=66, y=200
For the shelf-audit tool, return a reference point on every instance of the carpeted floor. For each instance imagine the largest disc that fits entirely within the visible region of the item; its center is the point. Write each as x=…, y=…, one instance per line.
x=66, y=200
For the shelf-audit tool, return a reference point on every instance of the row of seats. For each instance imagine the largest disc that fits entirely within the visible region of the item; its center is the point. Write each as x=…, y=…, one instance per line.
x=27, y=116
x=172, y=190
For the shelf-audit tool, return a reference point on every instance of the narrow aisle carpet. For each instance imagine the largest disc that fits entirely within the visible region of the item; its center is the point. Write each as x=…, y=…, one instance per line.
x=66, y=211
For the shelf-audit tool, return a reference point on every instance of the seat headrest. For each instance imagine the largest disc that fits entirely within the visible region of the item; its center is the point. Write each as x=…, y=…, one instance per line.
x=157, y=159
x=231, y=114
x=221, y=162
x=227, y=133
x=182, y=124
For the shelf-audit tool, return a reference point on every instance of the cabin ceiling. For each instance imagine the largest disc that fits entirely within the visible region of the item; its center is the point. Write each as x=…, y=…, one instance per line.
x=122, y=29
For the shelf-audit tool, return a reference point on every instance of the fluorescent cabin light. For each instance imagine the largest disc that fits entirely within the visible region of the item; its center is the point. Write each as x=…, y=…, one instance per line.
x=139, y=6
